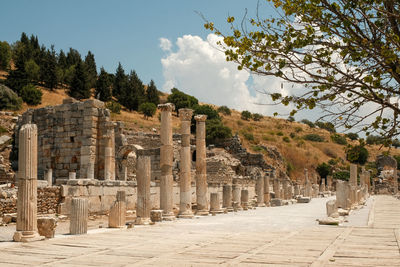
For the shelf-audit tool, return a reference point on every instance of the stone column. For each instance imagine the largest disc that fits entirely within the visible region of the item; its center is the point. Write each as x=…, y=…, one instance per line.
x=244, y=199
x=27, y=185
x=260, y=191
x=227, y=197
x=201, y=168
x=277, y=189
x=353, y=175
x=296, y=190
x=267, y=196
x=109, y=158
x=215, y=206
x=286, y=189
x=143, y=176
x=329, y=182
x=185, y=205
x=117, y=216
x=48, y=176
x=166, y=161
x=236, y=197
x=395, y=182
x=342, y=194
x=79, y=216
x=72, y=175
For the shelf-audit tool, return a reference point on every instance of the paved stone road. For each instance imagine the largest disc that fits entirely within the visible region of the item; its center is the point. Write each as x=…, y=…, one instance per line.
x=279, y=236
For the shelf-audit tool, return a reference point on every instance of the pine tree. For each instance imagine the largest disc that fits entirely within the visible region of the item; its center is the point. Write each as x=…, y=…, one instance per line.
x=103, y=86
x=79, y=87
x=49, y=73
x=91, y=69
x=120, y=82
x=62, y=60
x=152, y=93
x=133, y=95
x=73, y=57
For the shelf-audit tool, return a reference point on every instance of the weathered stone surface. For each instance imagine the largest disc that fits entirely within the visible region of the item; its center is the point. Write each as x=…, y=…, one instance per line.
x=244, y=199
x=260, y=191
x=215, y=206
x=276, y=202
x=303, y=199
x=331, y=209
x=342, y=194
x=117, y=216
x=143, y=205
x=79, y=216
x=236, y=197
x=156, y=215
x=329, y=221
x=47, y=226
x=201, y=169
x=227, y=197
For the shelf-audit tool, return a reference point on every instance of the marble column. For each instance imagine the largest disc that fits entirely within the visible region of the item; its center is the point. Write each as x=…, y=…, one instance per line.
x=143, y=176
x=117, y=216
x=244, y=199
x=109, y=157
x=236, y=197
x=353, y=175
x=27, y=185
x=185, y=205
x=201, y=168
x=215, y=206
x=166, y=162
x=277, y=189
x=329, y=182
x=48, y=176
x=267, y=196
x=227, y=197
x=79, y=216
x=260, y=191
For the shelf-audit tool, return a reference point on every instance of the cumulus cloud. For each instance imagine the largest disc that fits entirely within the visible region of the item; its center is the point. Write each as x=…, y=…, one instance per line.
x=199, y=68
x=165, y=44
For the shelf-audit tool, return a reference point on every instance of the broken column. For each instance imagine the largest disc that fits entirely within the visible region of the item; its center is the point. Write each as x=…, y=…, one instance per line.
x=267, y=196
x=185, y=205
x=79, y=216
x=48, y=176
x=329, y=182
x=260, y=191
x=166, y=161
x=277, y=189
x=117, y=216
x=143, y=176
x=227, y=197
x=244, y=199
x=27, y=185
x=215, y=206
x=109, y=157
x=342, y=194
x=201, y=169
x=353, y=175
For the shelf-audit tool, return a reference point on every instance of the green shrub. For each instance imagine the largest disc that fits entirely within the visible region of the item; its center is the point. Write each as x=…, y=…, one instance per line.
x=248, y=136
x=314, y=138
x=216, y=131
x=258, y=148
x=148, y=109
x=9, y=100
x=338, y=139
x=257, y=117
x=298, y=129
x=341, y=175
x=375, y=140
x=289, y=167
x=181, y=100
x=114, y=107
x=31, y=95
x=291, y=119
x=286, y=139
x=224, y=110
x=352, y=136
x=324, y=169
x=357, y=154
x=292, y=135
x=326, y=125
x=309, y=123
x=279, y=133
x=246, y=115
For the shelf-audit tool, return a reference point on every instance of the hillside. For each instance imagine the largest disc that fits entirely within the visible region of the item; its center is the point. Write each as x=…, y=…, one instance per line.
x=268, y=132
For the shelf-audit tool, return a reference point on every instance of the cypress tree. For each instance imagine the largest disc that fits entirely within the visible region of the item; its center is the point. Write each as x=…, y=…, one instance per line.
x=152, y=93
x=91, y=69
x=103, y=86
x=120, y=82
x=79, y=87
x=73, y=57
x=62, y=60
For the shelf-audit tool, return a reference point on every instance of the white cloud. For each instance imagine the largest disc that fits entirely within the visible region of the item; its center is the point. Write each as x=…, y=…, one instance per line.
x=199, y=68
x=165, y=44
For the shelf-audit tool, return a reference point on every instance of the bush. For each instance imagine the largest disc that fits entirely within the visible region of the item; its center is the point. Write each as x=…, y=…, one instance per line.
x=148, y=109
x=114, y=107
x=291, y=119
x=279, y=133
x=338, y=139
x=357, y=154
x=216, y=131
x=257, y=148
x=341, y=175
x=224, y=110
x=292, y=135
x=309, y=123
x=248, y=136
x=257, y=117
x=352, y=136
x=289, y=167
x=181, y=100
x=246, y=115
x=324, y=169
x=375, y=140
x=326, y=125
x=9, y=100
x=206, y=110
x=314, y=138
x=298, y=129
x=286, y=139
x=31, y=95
x=329, y=152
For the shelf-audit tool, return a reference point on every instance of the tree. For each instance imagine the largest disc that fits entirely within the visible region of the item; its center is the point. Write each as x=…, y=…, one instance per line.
x=345, y=54
x=120, y=82
x=103, y=86
x=352, y=136
x=31, y=95
x=324, y=169
x=152, y=93
x=257, y=116
x=224, y=110
x=181, y=100
x=73, y=57
x=5, y=55
x=32, y=71
x=148, y=109
x=79, y=87
x=49, y=69
x=245, y=115
x=357, y=154
x=91, y=69
x=133, y=95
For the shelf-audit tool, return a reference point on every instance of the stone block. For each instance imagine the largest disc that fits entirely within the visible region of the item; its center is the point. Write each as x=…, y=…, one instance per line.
x=156, y=215
x=95, y=190
x=331, y=209
x=275, y=202
x=47, y=226
x=303, y=199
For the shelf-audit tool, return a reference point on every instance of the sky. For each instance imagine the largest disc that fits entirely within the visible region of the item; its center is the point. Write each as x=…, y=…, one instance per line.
x=160, y=40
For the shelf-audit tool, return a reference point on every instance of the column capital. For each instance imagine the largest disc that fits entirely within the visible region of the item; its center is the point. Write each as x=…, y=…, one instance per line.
x=200, y=117
x=185, y=114
x=166, y=107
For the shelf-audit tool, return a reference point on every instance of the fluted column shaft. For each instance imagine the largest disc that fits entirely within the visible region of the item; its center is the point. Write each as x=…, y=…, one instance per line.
x=117, y=216
x=227, y=197
x=143, y=205
x=185, y=204
x=260, y=191
x=201, y=168
x=166, y=161
x=79, y=216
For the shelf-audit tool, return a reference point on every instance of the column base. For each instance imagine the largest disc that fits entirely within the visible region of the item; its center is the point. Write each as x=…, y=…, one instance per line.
x=186, y=215
x=217, y=211
x=260, y=204
x=27, y=236
x=168, y=216
x=142, y=221
x=202, y=212
x=229, y=209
